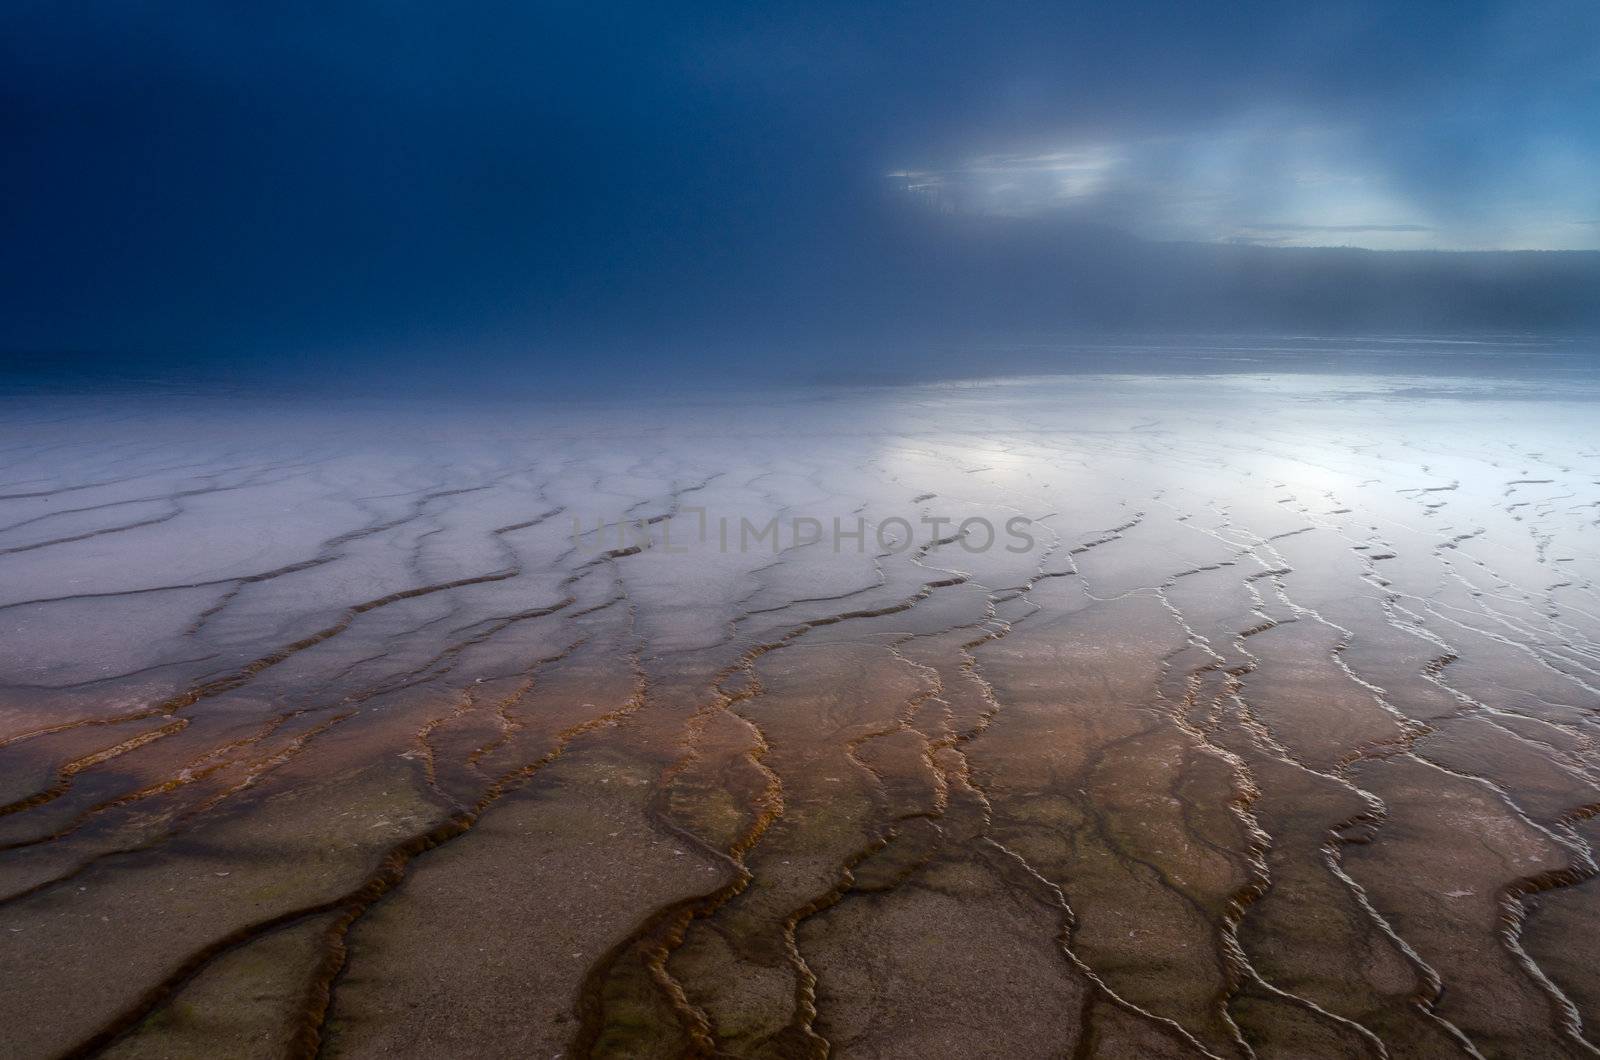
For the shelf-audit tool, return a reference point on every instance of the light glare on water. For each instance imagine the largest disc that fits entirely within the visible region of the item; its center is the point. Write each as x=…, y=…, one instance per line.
x=1279, y=734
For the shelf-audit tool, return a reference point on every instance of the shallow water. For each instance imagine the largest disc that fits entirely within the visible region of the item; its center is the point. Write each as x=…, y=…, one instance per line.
x=1094, y=715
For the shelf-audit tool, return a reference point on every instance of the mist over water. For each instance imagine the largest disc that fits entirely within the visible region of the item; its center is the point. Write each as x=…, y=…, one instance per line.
x=520, y=195
x=1535, y=361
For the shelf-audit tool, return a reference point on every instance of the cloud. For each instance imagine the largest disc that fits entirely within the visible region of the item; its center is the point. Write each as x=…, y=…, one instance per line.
x=1276, y=227
x=1016, y=184
x=1345, y=183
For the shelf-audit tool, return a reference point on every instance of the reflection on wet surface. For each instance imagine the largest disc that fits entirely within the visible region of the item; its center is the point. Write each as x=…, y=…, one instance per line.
x=357, y=730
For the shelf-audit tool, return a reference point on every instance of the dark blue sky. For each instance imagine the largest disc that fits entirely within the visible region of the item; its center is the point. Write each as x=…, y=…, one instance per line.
x=396, y=182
